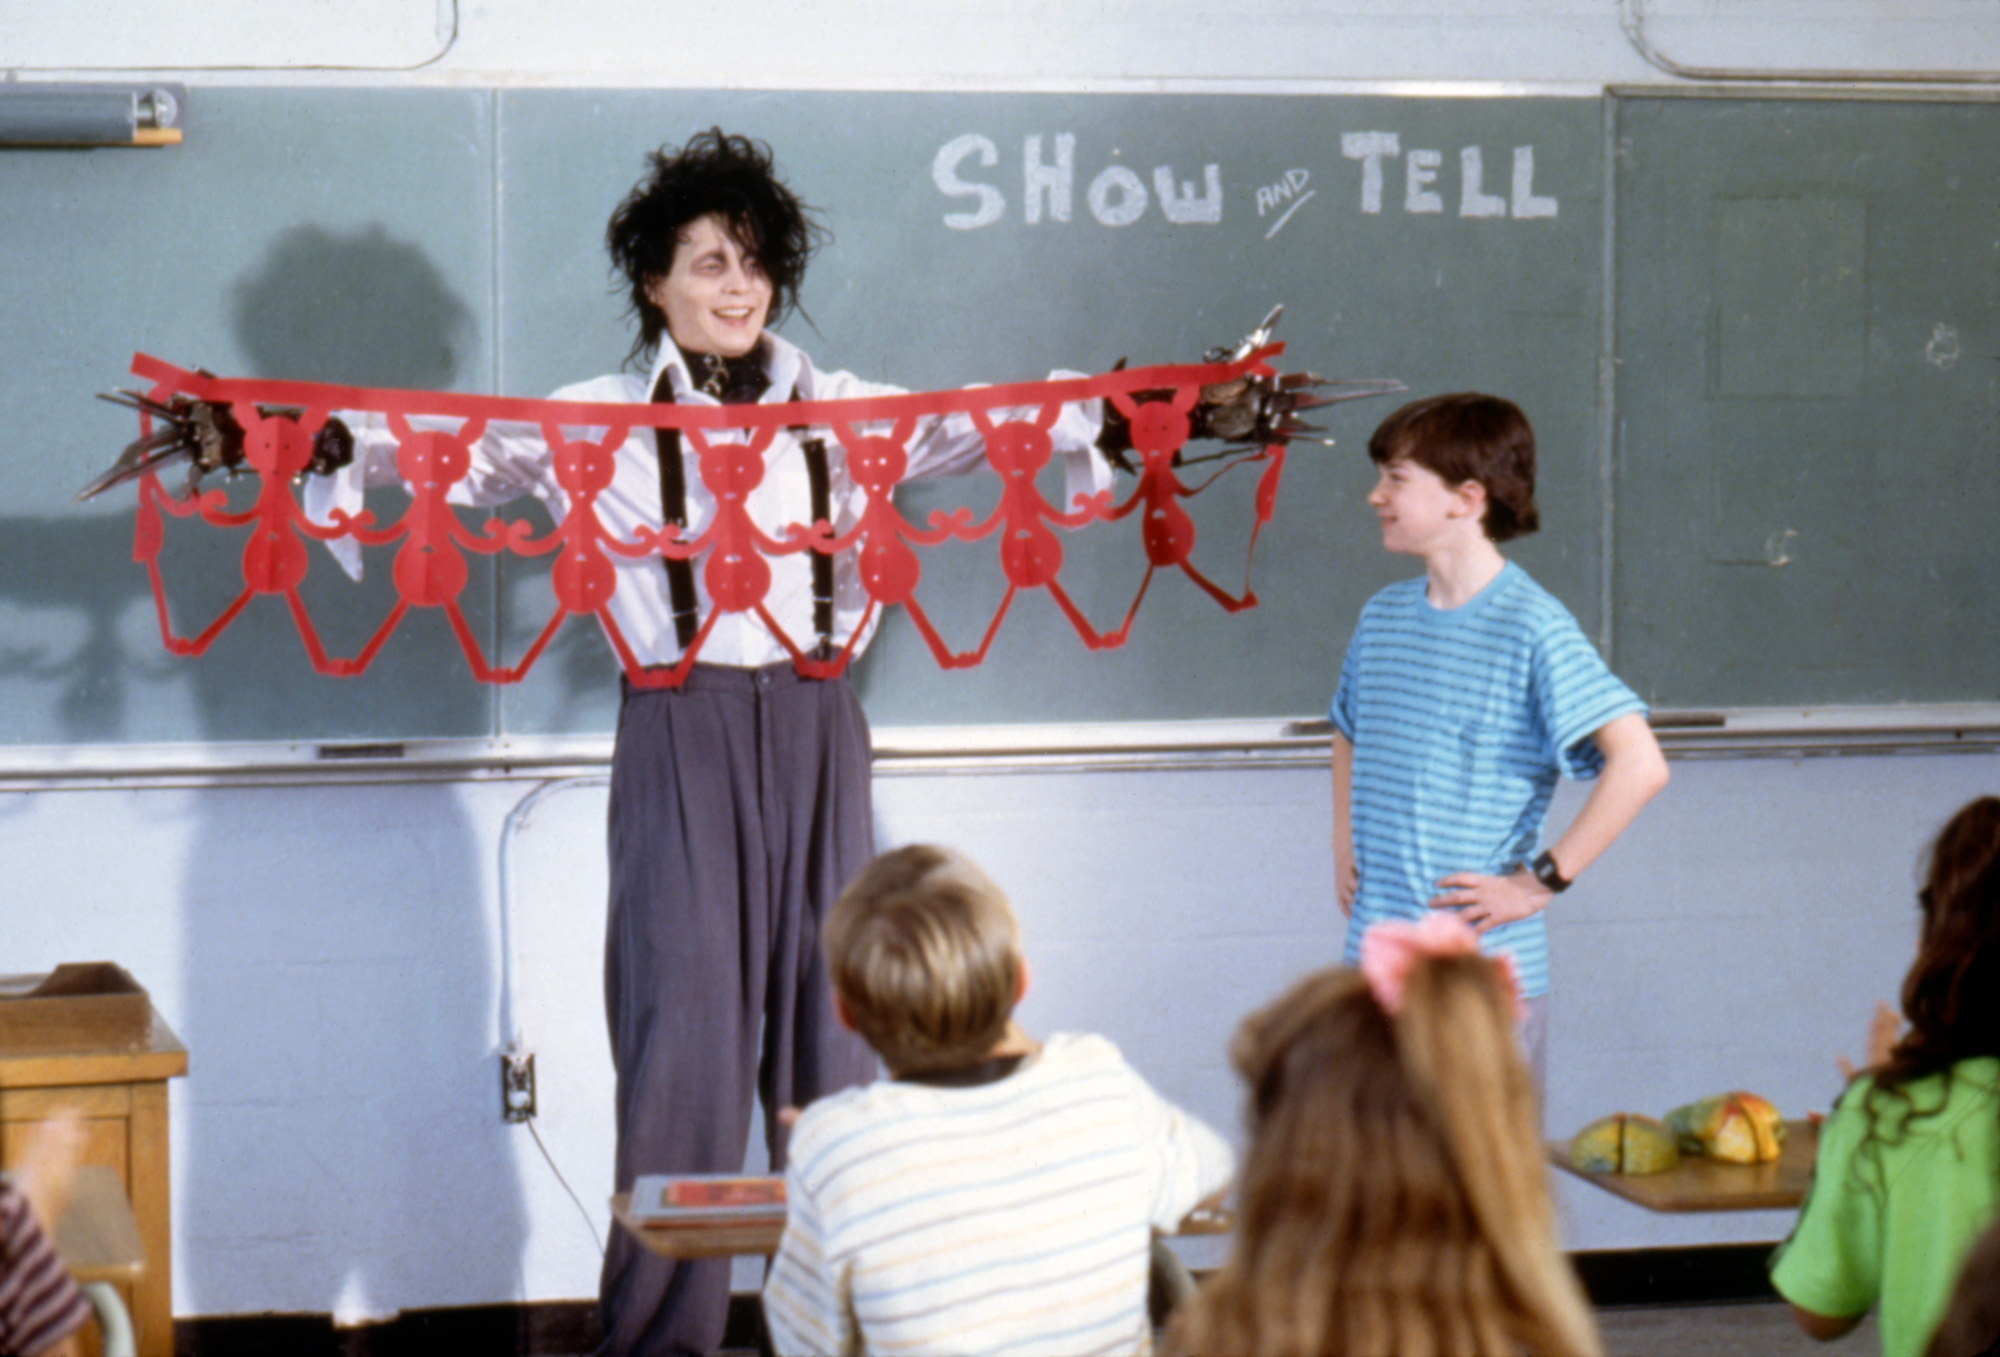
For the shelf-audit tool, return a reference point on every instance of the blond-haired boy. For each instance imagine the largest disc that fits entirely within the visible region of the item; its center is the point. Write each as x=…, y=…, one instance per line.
x=995, y=1194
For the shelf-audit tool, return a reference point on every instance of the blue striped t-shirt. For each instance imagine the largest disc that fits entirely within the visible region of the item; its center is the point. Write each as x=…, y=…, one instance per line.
x=1461, y=720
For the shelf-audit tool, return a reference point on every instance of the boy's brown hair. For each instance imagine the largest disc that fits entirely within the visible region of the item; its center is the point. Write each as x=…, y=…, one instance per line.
x=925, y=954
x=1466, y=436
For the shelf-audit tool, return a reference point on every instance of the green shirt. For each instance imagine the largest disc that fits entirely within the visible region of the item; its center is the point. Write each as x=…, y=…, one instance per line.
x=1889, y=1220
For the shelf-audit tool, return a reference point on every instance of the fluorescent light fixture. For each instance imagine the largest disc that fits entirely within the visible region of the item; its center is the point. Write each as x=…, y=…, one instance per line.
x=34, y=114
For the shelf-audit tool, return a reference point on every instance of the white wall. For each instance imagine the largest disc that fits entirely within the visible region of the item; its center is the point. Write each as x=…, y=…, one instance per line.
x=332, y=955
x=1060, y=44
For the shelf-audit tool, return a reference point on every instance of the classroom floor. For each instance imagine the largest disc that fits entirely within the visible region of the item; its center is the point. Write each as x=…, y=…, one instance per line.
x=1764, y=1329
x=1760, y=1329
x=1754, y=1329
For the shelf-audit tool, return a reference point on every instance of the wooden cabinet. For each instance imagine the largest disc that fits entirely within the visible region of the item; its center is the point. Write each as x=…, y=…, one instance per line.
x=117, y=1084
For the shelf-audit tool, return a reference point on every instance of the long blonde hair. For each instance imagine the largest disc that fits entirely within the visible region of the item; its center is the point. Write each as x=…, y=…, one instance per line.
x=1393, y=1202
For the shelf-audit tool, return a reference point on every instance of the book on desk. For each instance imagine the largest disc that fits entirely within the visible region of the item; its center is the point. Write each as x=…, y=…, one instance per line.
x=663, y=1201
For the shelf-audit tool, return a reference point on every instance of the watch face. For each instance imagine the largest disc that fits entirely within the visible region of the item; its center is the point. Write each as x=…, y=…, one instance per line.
x=1546, y=873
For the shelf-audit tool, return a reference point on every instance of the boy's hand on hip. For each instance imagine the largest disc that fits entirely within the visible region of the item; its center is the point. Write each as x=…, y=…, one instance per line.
x=1488, y=901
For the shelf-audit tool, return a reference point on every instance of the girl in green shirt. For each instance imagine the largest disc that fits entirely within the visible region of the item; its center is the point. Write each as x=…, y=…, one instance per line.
x=1908, y=1173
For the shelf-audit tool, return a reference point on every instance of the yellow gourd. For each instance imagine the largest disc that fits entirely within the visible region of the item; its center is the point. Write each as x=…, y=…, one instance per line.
x=1624, y=1142
x=1737, y=1128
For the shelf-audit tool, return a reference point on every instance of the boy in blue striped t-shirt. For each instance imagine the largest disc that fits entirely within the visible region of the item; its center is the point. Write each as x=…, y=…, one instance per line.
x=1463, y=695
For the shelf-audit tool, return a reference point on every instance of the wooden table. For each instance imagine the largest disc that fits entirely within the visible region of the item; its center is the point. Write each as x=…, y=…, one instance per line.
x=119, y=1090
x=1710, y=1185
x=759, y=1234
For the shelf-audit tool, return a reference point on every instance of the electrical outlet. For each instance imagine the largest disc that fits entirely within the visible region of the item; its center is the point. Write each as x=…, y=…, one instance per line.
x=517, y=1086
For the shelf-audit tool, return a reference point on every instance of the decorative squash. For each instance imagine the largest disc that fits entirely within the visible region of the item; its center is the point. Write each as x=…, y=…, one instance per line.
x=1624, y=1142
x=1737, y=1128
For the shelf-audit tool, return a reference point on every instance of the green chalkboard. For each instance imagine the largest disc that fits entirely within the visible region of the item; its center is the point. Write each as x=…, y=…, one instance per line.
x=335, y=235
x=1803, y=296
x=1808, y=401
x=1438, y=299
x=453, y=240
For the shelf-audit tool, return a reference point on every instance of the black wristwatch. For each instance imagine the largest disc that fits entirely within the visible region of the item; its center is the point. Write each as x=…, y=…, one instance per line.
x=1544, y=868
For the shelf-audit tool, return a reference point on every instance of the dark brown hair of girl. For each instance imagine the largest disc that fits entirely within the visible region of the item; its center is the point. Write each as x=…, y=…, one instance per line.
x=1951, y=995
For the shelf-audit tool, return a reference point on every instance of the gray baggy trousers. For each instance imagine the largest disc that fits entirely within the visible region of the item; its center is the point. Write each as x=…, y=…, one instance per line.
x=740, y=807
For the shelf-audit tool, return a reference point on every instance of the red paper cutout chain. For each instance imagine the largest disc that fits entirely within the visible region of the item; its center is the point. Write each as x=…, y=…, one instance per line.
x=430, y=568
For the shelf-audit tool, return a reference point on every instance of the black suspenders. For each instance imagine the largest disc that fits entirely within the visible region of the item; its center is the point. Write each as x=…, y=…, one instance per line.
x=822, y=512
x=681, y=594
x=673, y=509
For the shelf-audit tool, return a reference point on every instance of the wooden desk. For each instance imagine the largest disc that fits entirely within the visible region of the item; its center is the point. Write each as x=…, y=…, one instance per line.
x=1709, y=1185
x=120, y=1092
x=759, y=1235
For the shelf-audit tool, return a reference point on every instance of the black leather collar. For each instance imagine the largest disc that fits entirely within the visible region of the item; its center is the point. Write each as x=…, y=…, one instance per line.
x=733, y=381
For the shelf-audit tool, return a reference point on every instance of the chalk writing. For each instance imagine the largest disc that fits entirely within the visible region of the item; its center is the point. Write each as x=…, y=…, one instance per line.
x=1273, y=196
x=1120, y=195
x=1290, y=192
x=1116, y=197
x=944, y=173
x=1421, y=169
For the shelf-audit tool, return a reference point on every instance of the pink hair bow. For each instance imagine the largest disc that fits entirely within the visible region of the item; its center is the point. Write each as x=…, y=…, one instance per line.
x=1389, y=950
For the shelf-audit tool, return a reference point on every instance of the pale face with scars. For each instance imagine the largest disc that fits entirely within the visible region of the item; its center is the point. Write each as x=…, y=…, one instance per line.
x=716, y=295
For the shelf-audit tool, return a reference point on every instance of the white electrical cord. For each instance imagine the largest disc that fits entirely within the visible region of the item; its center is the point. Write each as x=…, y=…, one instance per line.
x=512, y=1043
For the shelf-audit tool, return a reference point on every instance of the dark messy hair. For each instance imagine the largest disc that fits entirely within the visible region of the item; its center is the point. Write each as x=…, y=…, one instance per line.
x=1464, y=437
x=733, y=177
x=1951, y=995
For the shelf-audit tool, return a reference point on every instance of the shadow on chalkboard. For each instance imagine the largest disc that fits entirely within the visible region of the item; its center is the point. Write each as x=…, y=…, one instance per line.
x=56, y=565
x=360, y=309
x=402, y=964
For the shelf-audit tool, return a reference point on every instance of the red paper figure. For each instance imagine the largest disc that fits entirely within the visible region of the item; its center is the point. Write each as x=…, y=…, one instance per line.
x=889, y=569
x=583, y=577
x=277, y=448
x=430, y=571
x=1159, y=428
x=1030, y=555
